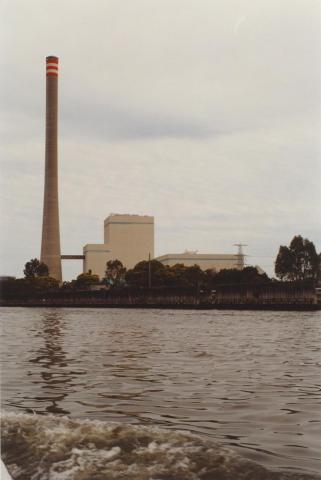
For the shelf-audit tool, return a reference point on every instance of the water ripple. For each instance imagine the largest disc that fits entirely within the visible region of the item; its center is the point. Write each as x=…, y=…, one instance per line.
x=250, y=380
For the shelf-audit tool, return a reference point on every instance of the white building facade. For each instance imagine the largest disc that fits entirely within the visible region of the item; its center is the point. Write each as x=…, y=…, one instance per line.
x=213, y=261
x=128, y=238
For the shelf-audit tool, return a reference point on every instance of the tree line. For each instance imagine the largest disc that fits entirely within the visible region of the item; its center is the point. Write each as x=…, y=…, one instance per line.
x=297, y=262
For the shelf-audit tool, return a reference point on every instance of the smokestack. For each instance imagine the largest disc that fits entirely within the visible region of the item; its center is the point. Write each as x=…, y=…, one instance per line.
x=50, y=245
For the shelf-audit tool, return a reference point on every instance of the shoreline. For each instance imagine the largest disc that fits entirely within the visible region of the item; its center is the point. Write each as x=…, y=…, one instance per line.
x=167, y=306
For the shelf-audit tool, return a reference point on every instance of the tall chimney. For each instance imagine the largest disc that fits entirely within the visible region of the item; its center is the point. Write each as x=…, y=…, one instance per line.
x=50, y=245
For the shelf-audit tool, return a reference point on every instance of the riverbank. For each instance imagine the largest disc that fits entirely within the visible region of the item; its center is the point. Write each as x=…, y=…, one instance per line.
x=45, y=303
x=271, y=296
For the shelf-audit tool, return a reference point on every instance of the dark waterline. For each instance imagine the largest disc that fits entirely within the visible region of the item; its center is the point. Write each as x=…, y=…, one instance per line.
x=250, y=380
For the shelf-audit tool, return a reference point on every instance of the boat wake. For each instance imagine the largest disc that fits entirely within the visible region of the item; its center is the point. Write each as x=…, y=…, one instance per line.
x=36, y=447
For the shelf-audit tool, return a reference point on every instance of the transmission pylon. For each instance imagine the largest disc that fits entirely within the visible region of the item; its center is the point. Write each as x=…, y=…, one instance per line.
x=240, y=255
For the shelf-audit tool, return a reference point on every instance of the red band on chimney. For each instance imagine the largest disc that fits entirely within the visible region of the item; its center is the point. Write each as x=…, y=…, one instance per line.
x=52, y=59
x=52, y=66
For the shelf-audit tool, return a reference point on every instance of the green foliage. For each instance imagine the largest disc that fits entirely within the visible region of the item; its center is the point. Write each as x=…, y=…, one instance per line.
x=68, y=286
x=115, y=273
x=85, y=279
x=28, y=286
x=181, y=276
x=162, y=275
x=44, y=284
x=35, y=268
x=299, y=261
x=235, y=276
x=139, y=275
x=284, y=264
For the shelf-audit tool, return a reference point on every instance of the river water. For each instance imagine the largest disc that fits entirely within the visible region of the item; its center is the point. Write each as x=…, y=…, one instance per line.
x=245, y=382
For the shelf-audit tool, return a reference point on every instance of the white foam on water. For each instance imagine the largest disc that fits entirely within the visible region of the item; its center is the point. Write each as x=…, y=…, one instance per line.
x=36, y=447
x=4, y=474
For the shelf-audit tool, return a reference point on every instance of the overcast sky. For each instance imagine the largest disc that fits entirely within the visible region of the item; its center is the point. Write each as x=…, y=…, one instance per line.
x=203, y=113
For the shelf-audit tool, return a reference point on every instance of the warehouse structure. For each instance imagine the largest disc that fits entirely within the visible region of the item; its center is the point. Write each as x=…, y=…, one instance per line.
x=213, y=261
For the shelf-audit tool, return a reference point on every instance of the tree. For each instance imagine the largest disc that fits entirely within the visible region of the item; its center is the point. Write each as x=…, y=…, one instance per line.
x=182, y=276
x=115, y=273
x=139, y=275
x=35, y=268
x=29, y=286
x=68, y=286
x=235, y=276
x=44, y=284
x=299, y=261
x=252, y=275
x=284, y=264
x=228, y=275
x=85, y=279
x=178, y=275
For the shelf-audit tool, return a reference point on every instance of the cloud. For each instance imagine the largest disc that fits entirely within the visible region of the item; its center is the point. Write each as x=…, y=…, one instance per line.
x=106, y=121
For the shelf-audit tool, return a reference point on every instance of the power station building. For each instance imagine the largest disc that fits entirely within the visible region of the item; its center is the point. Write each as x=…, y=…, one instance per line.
x=128, y=238
x=213, y=261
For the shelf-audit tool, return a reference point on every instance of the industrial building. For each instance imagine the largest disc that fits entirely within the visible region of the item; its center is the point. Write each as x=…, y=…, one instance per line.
x=213, y=261
x=128, y=238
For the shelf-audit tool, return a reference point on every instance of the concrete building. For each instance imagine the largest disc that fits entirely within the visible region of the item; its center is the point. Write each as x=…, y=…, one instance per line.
x=204, y=260
x=128, y=238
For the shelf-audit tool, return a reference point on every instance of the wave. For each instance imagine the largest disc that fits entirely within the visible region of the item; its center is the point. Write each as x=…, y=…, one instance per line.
x=203, y=354
x=37, y=447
